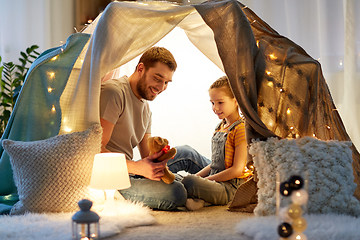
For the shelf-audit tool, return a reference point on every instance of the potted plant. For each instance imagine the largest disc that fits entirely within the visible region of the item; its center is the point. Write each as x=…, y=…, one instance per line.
x=12, y=79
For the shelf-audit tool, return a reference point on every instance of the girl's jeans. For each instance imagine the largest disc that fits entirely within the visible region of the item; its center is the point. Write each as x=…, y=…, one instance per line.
x=159, y=195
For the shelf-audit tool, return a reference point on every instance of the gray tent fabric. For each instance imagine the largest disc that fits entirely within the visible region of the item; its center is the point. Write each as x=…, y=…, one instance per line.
x=269, y=74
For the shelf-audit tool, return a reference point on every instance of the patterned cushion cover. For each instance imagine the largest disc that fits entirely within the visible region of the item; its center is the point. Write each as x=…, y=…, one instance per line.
x=328, y=166
x=52, y=175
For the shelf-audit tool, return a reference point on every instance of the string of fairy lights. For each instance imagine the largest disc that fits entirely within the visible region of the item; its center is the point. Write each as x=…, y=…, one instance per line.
x=277, y=83
x=51, y=77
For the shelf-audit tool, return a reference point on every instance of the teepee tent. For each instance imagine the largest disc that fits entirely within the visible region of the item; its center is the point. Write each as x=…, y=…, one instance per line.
x=270, y=75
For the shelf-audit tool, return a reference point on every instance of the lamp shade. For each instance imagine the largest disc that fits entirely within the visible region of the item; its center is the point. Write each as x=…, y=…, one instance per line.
x=110, y=172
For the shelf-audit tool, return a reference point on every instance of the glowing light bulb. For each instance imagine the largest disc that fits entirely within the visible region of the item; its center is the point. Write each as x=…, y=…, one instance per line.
x=54, y=58
x=272, y=57
x=257, y=43
x=298, y=236
x=288, y=111
x=291, y=128
x=67, y=129
x=51, y=74
x=53, y=109
x=50, y=89
x=281, y=90
x=313, y=134
x=268, y=73
x=295, y=211
x=328, y=127
x=89, y=21
x=270, y=84
x=299, y=197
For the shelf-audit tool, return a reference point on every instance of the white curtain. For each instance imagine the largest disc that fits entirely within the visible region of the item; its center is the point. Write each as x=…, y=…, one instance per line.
x=46, y=23
x=326, y=29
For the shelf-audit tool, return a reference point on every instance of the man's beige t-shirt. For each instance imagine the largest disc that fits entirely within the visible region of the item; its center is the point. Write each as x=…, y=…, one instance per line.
x=131, y=116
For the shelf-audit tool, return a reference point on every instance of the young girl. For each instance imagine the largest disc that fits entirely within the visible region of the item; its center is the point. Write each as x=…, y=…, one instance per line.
x=216, y=184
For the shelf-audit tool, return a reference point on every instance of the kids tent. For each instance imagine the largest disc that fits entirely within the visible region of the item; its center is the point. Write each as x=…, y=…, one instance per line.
x=269, y=74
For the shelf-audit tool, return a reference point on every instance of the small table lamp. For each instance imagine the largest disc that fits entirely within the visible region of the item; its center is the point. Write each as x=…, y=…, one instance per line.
x=110, y=173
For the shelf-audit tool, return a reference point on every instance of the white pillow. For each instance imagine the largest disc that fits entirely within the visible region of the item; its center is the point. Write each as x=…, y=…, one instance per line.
x=52, y=175
x=328, y=163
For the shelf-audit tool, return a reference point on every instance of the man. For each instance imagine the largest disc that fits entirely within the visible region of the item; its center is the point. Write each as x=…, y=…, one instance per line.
x=126, y=120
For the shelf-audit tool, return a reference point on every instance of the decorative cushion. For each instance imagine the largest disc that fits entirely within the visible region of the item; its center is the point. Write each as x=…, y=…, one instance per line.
x=52, y=175
x=328, y=165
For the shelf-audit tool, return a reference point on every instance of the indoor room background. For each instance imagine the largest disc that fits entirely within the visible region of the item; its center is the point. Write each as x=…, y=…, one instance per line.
x=326, y=29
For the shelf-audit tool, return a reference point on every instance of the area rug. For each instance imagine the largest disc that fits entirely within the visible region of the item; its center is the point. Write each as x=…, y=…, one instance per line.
x=319, y=227
x=58, y=225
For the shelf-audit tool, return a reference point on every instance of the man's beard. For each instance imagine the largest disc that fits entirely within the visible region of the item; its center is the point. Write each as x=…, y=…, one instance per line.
x=143, y=89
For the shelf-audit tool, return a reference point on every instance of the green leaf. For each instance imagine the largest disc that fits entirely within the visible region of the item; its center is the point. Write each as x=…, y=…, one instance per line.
x=24, y=55
x=7, y=114
x=33, y=47
x=23, y=61
x=5, y=104
x=6, y=96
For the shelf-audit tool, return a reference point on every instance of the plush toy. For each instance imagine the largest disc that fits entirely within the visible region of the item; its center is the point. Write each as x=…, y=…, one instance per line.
x=157, y=144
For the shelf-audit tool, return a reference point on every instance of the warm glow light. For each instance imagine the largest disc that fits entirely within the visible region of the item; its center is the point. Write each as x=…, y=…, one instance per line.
x=288, y=111
x=53, y=108
x=272, y=57
x=110, y=173
x=67, y=129
x=281, y=90
x=89, y=21
x=270, y=84
x=313, y=134
x=268, y=73
x=328, y=127
x=341, y=63
x=291, y=128
x=50, y=89
x=51, y=74
x=81, y=61
x=54, y=58
x=62, y=50
x=257, y=43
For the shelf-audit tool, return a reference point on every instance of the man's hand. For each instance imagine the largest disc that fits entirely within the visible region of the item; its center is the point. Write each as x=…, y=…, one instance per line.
x=148, y=168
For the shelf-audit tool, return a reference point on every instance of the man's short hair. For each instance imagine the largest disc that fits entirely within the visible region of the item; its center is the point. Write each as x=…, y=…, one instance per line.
x=158, y=54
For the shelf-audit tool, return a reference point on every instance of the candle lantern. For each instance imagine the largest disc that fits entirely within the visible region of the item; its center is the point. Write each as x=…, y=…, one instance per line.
x=85, y=223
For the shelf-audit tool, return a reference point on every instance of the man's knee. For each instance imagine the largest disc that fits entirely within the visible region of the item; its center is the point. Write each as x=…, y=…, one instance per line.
x=185, y=151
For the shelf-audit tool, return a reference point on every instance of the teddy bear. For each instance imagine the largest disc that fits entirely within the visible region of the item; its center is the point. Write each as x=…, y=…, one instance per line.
x=157, y=144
